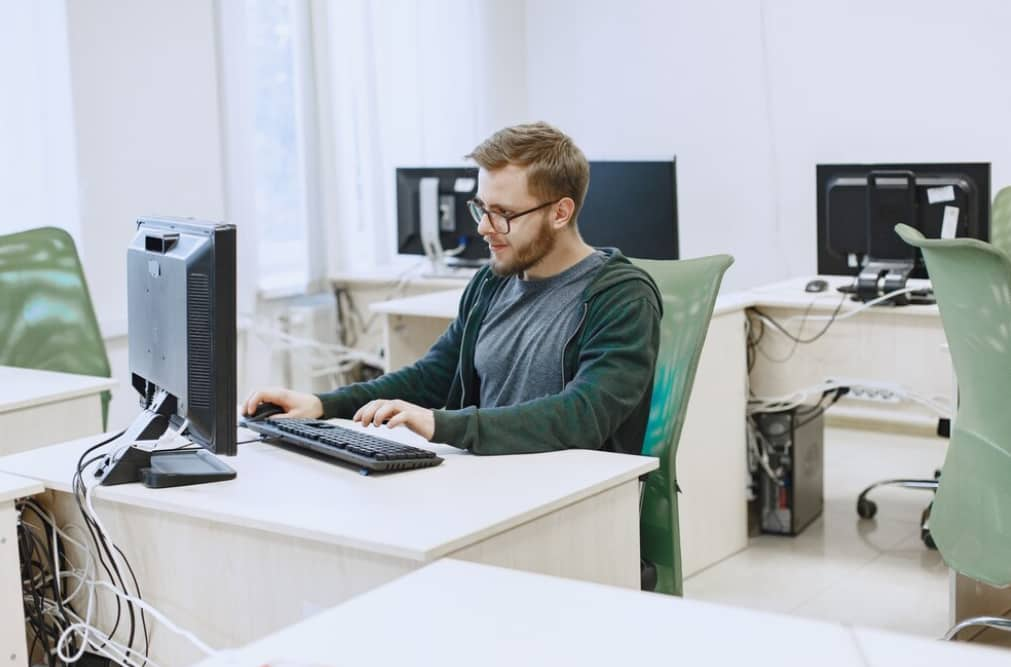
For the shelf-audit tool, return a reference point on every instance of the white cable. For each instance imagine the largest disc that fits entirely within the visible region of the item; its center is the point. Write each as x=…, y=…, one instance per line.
x=115, y=552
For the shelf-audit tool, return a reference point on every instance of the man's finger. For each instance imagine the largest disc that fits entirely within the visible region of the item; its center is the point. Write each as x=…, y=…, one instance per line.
x=387, y=411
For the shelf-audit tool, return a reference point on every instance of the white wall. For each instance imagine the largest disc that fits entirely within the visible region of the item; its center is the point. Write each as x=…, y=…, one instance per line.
x=38, y=171
x=145, y=90
x=750, y=95
x=655, y=79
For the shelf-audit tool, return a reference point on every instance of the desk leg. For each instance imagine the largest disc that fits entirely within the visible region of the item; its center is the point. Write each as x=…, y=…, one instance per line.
x=13, y=647
x=968, y=597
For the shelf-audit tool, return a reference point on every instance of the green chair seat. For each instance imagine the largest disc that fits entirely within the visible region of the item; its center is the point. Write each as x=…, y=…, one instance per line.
x=689, y=289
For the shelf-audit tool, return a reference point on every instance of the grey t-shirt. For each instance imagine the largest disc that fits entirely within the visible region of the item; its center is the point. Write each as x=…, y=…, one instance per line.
x=519, y=348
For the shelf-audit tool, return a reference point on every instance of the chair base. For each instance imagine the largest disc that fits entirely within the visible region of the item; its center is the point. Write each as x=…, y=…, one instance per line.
x=995, y=622
x=867, y=508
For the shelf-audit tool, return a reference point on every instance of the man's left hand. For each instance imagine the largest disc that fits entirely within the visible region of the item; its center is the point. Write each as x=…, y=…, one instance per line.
x=397, y=413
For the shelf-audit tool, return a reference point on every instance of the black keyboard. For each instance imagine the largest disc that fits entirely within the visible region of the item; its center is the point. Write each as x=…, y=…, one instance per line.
x=367, y=452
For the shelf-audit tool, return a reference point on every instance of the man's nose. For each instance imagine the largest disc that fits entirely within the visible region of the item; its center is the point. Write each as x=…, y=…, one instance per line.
x=485, y=228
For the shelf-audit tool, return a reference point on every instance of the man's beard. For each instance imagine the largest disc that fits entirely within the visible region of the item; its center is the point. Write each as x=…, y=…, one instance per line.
x=527, y=257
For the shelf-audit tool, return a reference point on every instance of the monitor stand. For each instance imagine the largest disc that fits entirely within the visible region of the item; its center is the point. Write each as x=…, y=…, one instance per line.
x=442, y=263
x=124, y=463
x=880, y=277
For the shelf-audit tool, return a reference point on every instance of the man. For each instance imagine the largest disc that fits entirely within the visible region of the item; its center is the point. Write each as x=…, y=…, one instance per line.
x=555, y=342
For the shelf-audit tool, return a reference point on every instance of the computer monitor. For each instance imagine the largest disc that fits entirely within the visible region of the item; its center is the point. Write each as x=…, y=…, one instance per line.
x=860, y=204
x=432, y=215
x=181, y=312
x=632, y=206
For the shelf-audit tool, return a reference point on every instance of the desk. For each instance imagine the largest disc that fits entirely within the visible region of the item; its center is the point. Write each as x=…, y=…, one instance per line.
x=712, y=468
x=292, y=535
x=454, y=613
x=43, y=407
x=12, y=619
x=899, y=345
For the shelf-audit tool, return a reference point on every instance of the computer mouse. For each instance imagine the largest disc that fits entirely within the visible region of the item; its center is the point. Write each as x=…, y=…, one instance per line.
x=264, y=411
x=816, y=285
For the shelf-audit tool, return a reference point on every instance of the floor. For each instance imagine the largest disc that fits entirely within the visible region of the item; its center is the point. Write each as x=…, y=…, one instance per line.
x=875, y=573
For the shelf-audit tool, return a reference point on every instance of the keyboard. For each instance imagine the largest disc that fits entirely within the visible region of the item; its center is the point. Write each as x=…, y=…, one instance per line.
x=366, y=452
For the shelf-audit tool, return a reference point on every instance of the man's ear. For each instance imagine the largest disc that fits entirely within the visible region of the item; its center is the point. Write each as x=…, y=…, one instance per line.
x=562, y=212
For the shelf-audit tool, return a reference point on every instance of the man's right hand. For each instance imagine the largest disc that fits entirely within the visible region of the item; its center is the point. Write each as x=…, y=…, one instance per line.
x=295, y=403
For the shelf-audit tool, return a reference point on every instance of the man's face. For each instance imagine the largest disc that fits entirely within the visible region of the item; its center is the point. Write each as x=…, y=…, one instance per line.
x=531, y=237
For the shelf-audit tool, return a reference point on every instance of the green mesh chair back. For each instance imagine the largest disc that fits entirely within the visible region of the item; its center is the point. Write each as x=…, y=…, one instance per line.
x=689, y=288
x=971, y=517
x=1000, y=220
x=46, y=317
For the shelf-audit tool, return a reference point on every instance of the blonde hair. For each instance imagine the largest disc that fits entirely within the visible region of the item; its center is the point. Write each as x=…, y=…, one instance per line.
x=556, y=167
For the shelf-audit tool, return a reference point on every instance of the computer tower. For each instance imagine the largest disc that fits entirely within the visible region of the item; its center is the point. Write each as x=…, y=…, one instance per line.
x=794, y=442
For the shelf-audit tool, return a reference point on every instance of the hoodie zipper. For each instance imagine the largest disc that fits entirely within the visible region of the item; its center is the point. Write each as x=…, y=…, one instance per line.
x=459, y=365
x=579, y=325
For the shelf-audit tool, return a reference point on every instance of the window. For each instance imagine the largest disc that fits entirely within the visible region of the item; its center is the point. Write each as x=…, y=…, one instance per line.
x=268, y=110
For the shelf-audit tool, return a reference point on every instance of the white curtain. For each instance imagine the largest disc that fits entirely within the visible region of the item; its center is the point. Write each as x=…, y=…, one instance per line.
x=38, y=164
x=401, y=83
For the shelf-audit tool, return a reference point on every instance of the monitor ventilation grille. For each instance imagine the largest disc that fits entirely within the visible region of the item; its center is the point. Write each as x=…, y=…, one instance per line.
x=198, y=336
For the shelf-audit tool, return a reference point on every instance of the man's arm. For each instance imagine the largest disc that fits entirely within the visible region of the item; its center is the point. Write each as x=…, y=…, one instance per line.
x=615, y=371
x=425, y=383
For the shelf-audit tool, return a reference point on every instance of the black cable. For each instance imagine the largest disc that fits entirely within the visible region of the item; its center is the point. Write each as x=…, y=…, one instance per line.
x=797, y=339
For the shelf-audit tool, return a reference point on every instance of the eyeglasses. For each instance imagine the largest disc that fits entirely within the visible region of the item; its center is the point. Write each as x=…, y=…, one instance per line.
x=500, y=222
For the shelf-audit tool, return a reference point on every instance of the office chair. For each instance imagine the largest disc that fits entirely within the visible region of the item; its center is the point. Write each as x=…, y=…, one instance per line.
x=689, y=288
x=971, y=518
x=46, y=316
x=1000, y=220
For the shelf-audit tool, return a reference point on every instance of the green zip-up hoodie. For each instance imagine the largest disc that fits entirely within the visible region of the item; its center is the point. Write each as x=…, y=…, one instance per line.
x=607, y=381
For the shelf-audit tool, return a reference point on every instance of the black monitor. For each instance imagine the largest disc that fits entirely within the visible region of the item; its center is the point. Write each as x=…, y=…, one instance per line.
x=860, y=204
x=432, y=215
x=181, y=310
x=632, y=206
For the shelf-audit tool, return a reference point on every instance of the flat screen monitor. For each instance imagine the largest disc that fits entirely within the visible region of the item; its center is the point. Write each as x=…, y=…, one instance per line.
x=860, y=204
x=181, y=312
x=632, y=206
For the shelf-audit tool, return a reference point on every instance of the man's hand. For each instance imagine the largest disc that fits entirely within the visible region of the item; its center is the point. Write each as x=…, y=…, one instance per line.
x=397, y=413
x=295, y=403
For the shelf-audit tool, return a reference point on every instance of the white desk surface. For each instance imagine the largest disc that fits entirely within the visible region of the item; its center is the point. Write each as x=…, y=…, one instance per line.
x=458, y=613
x=444, y=304
x=27, y=387
x=13, y=486
x=419, y=515
x=785, y=294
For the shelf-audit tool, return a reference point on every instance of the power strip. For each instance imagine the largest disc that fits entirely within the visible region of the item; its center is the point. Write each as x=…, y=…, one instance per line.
x=871, y=391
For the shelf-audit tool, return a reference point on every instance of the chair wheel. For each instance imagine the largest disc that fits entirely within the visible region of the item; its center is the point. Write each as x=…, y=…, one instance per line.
x=928, y=539
x=866, y=508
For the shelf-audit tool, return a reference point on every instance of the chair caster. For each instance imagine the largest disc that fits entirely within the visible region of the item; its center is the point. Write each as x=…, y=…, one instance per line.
x=866, y=508
x=925, y=535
